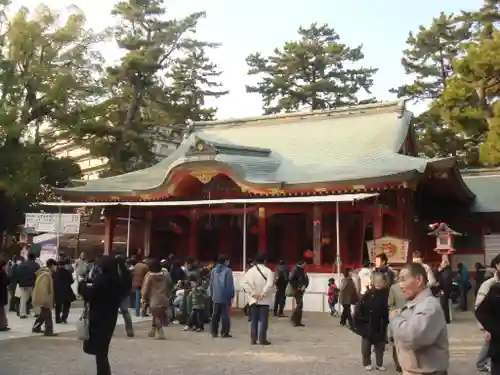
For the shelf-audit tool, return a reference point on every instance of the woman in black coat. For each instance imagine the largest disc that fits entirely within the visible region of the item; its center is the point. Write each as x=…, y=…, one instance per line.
x=63, y=292
x=487, y=314
x=4, y=298
x=371, y=320
x=103, y=297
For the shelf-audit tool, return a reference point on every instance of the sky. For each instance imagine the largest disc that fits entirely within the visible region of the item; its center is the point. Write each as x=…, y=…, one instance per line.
x=245, y=27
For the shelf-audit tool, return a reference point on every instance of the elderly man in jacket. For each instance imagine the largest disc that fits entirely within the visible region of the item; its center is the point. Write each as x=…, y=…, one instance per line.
x=259, y=285
x=419, y=329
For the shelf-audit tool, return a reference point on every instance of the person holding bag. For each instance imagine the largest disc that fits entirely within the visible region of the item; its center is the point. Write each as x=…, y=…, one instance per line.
x=103, y=297
x=258, y=283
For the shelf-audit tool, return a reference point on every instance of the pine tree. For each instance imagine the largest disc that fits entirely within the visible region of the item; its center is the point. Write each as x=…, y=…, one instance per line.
x=121, y=129
x=470, y=99
x=315, y=72
x=429, y=58
x=190, y=80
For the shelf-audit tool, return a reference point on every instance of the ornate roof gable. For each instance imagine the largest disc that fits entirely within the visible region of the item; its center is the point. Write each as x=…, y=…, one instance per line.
x=202, y=147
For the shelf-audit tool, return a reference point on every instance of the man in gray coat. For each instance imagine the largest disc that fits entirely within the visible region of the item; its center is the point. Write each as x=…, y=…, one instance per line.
x=419, y=329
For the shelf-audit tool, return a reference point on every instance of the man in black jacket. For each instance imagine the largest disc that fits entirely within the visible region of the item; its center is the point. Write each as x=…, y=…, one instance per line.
x=282, y=278
x=25, y=276
x=445, y=284
x=487, y=315
x=299, y=281
x=382, y=266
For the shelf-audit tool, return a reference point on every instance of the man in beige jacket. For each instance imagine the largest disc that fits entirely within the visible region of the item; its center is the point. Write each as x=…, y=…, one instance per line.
x=419, y=329
x=43, y=298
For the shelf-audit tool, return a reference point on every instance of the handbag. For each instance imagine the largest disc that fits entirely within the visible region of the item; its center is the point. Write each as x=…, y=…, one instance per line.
x=289, y=291
x=82, y=326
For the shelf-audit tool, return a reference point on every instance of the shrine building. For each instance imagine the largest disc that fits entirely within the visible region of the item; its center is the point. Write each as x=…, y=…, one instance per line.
x=368, y=149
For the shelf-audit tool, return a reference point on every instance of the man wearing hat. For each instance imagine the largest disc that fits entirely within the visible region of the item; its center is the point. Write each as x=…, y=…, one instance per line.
x=299, y=281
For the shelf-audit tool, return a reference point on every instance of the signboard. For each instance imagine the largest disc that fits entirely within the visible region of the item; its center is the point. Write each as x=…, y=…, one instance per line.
x=48, y=251
x=69, y=223
x=395, y=248
x=44, y=237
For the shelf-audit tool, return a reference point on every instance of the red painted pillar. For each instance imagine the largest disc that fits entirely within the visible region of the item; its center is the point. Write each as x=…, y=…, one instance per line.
x=147, y=233
x=317, y=229
x=193, y=235
x=109, y=227
x=261, y=213
x=377, y=222
x=226, y=240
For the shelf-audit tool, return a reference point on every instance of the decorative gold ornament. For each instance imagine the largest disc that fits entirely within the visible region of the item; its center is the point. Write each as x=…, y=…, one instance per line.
x=276, y=191
x=358, y=187
x=204, y=176
x=171, y=189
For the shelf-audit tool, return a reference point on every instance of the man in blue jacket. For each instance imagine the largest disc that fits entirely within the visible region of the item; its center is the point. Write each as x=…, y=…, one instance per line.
x=221, y=289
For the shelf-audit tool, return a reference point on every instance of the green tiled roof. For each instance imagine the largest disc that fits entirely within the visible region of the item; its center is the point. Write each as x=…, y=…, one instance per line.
x=352, y=144
x=487, y=191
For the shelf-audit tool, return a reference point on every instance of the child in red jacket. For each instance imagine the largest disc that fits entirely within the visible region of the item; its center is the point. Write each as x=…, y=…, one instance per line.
x=333, y=296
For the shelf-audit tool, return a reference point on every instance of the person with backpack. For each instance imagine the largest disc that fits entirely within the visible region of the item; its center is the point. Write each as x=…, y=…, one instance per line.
x=221, y=289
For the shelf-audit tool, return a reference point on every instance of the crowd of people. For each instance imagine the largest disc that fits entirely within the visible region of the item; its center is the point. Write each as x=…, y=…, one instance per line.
x=409, y=308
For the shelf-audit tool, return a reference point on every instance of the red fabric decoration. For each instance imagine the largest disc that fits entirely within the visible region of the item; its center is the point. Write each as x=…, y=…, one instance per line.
x=308, y=254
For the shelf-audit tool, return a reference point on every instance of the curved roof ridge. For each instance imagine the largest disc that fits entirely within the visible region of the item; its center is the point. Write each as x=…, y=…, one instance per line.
x=348, y=111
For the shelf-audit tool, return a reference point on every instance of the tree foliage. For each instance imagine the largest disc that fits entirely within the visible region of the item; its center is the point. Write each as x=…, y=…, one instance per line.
x=148, y=89
x=43, y=67
x=54, y=85
x=316, y=72
x=456, y=69
x=472, y=98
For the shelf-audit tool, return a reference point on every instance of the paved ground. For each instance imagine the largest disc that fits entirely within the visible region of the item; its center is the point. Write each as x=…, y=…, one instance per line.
x=322, y=347
x=21, y=328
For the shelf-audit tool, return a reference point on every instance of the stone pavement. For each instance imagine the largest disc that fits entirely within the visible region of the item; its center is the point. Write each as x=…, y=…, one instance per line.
x=320, y=348
x=21, y=328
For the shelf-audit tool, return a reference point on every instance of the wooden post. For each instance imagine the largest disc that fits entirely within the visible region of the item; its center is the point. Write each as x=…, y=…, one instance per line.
x=262, y=230
x=109, y=226
x=193, y=234
x=377, y=222
x=317, y=223
x=147, y=233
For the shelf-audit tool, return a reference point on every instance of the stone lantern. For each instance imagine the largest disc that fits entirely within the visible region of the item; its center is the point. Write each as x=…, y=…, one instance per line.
x=444, y=239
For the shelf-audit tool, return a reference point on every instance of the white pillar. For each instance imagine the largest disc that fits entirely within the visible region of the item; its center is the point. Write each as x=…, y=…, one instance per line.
x=244, y=237
x=128, y=230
